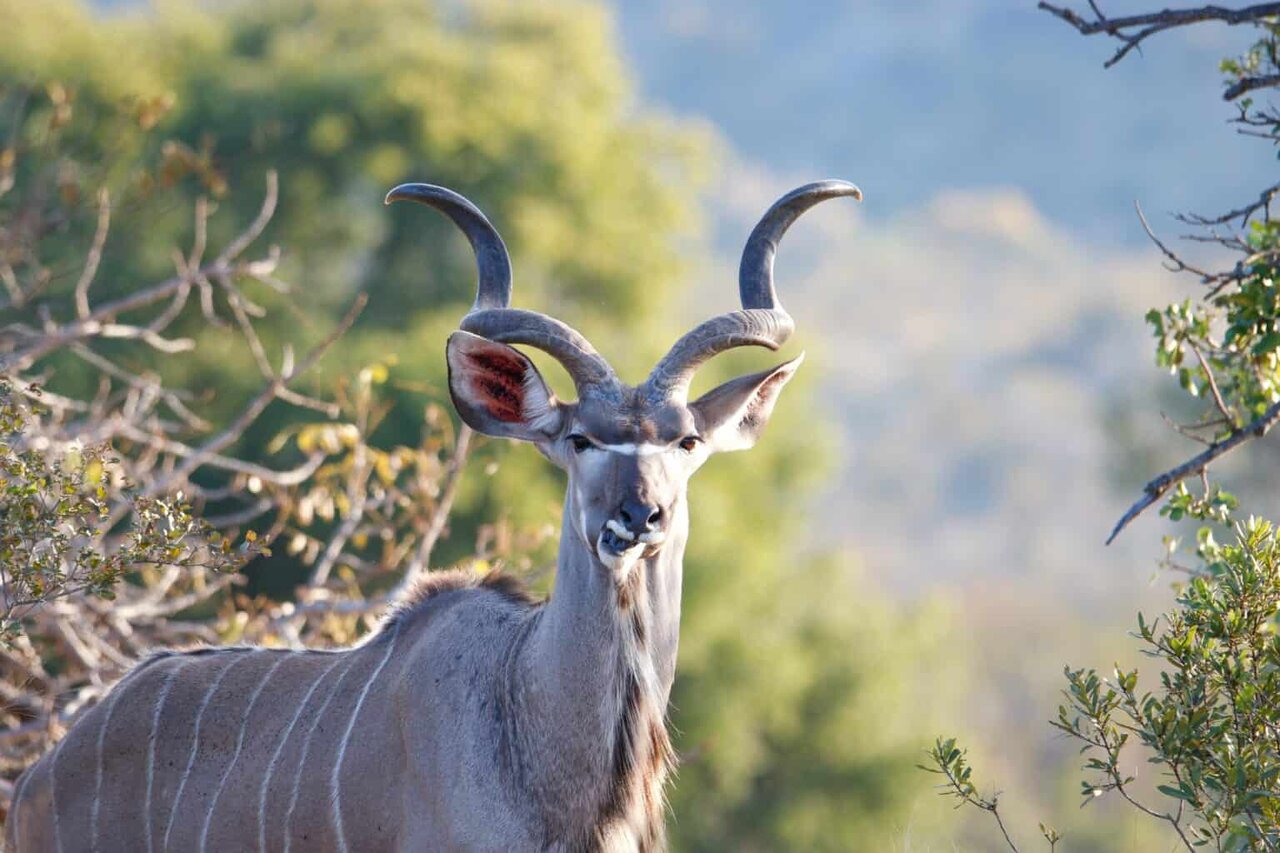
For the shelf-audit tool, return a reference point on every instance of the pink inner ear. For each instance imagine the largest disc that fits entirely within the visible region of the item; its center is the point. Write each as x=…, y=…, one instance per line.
x=496, y=378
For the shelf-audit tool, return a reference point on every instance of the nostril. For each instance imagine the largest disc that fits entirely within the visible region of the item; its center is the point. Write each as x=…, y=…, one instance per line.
x=638, y=516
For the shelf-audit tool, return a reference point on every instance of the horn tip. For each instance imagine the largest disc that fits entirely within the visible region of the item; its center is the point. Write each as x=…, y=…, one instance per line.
x=400, y=192
x=429, y=193
x=838, y=187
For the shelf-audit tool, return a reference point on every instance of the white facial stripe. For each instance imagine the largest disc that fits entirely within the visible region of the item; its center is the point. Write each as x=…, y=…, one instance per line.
x=644, y=449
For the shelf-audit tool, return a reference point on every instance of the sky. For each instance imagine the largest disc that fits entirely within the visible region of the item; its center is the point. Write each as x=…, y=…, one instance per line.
x=909, y=97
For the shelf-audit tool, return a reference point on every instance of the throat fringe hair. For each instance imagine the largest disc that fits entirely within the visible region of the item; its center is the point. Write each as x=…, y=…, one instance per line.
x=632, y=815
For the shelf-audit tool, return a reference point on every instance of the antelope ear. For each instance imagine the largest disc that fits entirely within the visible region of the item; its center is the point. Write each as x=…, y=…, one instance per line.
x=498, y=391
x=732, y=416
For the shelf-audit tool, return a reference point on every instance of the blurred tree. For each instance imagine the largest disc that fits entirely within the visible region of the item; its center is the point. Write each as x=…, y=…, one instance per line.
x=788, y=664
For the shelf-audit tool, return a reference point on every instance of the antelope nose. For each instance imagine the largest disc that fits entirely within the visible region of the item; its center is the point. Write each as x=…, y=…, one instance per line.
x=639, y=517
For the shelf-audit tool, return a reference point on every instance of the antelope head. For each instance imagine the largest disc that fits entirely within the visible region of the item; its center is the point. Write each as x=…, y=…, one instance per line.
x=629, y=450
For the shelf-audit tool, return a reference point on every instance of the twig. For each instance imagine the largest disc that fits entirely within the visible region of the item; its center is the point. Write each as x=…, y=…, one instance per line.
x=357, y=494
x=291, y=477
x=94, y=257
x=1176, y=263
x=1243, y=213
x=178, y=603
x=1213, y=384
x=255, y=229
x=422, y=555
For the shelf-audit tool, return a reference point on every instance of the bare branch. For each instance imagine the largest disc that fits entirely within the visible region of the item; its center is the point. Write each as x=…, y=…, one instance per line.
x=99, y=320
x=1223, y=408
x=357, y=492
x=1150, y=23
x=421, y=561
x=207, y=451
x=291, y=477
x=94, y=257
x=237, y=246
x=1176, y=263
x=1243, y=213
x=1156, y=489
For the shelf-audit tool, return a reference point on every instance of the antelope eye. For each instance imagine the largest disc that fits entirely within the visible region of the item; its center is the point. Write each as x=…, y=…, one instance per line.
x=689, y=443
x=579, y=442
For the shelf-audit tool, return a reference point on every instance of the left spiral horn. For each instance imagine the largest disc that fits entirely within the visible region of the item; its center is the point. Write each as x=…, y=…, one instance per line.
x=492, y=261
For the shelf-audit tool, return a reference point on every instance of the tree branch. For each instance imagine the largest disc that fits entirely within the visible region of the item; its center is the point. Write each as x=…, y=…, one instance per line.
x=99, y=320
x=1156, y=489
x=1150, y=23
x=1248, y=84
x=421, y=561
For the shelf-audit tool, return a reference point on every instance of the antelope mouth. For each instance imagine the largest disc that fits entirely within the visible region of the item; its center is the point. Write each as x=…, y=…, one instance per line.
x=616, y=542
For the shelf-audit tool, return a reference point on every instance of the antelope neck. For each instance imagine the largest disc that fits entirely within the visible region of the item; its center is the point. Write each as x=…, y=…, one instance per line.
x=601, y=654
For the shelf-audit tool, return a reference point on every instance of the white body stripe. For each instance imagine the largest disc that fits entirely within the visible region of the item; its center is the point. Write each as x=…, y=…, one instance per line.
x=235, y=756
x=14, y=811
x=53, y=794
x=151, y=745
x=275, y=757
x=334, y=778
x=110, y=707
x=195, y=742
x=306, y=750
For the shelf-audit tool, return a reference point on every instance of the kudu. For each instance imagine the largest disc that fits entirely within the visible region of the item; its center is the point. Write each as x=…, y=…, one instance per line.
x=473, y=718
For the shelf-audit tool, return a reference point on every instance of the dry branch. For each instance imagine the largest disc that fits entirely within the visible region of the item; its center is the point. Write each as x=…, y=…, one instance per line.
x=1132, y=30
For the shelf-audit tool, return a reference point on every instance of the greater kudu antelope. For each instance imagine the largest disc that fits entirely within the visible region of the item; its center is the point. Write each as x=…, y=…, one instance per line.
x=473, y=718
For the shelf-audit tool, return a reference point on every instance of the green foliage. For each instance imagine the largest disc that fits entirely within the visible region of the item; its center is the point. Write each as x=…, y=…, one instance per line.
x=1212, y=726
x=1214, y=504
x=1226, y=350
x=57, y=510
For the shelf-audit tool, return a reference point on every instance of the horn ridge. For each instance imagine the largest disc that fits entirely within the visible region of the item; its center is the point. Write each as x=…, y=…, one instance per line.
x=591, y=374
x=762, y=321
x=491, y=315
